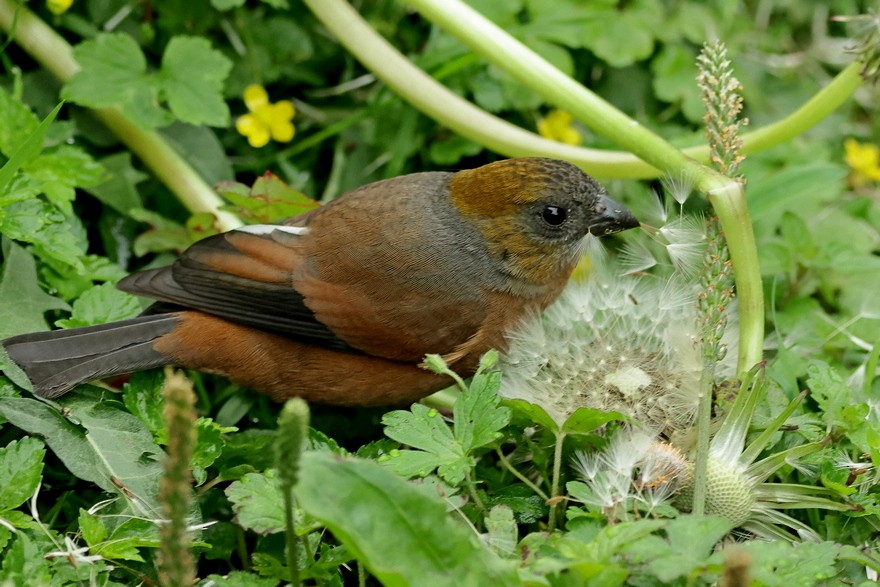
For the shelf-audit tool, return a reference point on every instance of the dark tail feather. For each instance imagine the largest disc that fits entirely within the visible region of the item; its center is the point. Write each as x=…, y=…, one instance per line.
x=59, y=360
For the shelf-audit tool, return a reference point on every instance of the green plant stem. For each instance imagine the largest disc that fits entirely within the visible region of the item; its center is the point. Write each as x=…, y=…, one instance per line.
x=436, y=101
x=554, y=483
x=472, y=490
x=292, y=543
x=322, y=135
x=871, y=368
x=51, y=51
x=507, y=465
x=701, y=453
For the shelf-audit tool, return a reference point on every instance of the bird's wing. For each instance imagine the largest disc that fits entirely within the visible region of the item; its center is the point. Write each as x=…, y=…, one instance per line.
x=243, y=275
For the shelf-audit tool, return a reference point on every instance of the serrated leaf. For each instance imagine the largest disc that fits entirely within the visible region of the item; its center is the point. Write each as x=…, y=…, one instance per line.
x=209, y=446
x=424, y=428
x=691, y=539
x=142, y=396
x=401, y=534
x=114, y=63
x=192, y=77
x=42, y=224
x=257, y=503
x=61, y=170
x=99, y=305
x=782, y=564
x=477, y=417
x=23, y=564
x=97, y=442
x=21, y=468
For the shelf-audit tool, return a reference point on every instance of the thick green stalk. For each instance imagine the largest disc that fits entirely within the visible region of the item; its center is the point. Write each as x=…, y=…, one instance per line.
x=51, y=51
x=447, y=108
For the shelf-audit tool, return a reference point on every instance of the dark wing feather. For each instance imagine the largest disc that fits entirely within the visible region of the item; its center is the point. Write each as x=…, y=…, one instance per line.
x=227, y=276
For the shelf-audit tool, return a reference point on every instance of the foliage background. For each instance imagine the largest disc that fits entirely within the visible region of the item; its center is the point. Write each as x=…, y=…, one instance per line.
x=81, y=212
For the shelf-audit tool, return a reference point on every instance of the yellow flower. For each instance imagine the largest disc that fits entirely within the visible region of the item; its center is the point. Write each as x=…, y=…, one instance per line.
x=265, y=120
x=863, y=160
x=556, y=126
x=58, y=6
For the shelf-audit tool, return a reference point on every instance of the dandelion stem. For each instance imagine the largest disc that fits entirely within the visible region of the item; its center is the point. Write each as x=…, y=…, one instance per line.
x=507, y=465
x=554, y=484
x=704, y=421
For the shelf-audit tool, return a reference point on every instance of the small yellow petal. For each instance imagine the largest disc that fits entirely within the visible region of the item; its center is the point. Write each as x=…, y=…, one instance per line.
x=557, y=126
x=58, y=6
x=254, y=129
x=255, y=96
x=283, y=132
x=863, y=160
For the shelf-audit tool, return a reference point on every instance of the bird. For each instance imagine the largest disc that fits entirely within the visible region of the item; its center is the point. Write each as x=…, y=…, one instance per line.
x=340, y=305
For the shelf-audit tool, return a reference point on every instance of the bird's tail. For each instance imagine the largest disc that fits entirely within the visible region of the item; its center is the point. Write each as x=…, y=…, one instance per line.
x=59, y=360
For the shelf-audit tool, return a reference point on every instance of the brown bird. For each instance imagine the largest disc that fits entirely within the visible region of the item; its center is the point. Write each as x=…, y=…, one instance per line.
x=340, y=305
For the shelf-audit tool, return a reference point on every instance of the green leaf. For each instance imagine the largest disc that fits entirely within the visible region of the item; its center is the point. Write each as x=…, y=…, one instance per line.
x=23, y=564
x=114, y=63
x=119, y=188
x=209, y=446
x=401, y=533
x=477, y=418
x=501, y=531
x=533, y=413
x=97, y=442
x=124, y=541
x=164, y=234
x=18, y=123
x=142, y=396
x=793, y=187
x=782, y=564
x=192, y=77
x=54, y=234
x=26, y=150
x=92, y=528
x=239, y=579
x=691, y=539
x=424, y=428
x=21, y=468
x=586, y=420
x=829, y=390
x=268, y=200
x=99, y=305
x=257, y=502
x=61, y=170
x=23, y=303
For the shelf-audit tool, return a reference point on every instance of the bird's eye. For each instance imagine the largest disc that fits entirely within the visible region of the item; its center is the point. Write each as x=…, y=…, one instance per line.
x=554, y=215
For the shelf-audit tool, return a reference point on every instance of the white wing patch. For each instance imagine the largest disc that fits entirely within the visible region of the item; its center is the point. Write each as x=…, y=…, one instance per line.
x=266, y=229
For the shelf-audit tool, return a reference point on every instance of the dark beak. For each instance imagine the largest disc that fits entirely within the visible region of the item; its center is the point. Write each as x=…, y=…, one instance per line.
x=611, y=217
